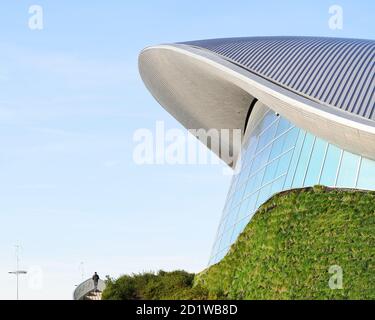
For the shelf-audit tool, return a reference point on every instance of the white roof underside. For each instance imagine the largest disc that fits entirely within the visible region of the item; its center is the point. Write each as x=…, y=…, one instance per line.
x=203, y=91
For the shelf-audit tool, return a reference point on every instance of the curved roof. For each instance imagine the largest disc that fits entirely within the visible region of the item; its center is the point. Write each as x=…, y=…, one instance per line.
x=85, y=291
x=323, y=85
x=335, y=71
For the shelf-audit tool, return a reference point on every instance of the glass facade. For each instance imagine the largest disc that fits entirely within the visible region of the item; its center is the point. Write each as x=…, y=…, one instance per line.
x=278, y=156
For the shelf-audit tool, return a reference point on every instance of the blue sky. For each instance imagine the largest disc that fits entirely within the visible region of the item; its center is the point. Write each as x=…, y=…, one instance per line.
x=70, y=101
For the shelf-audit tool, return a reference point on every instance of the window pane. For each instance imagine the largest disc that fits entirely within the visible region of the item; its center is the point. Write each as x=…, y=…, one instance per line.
x=264, y=195
x=258, y=179
x=221, y=228
x=294, y=161
x=234, y=184
x=236, y=232
x=244, y=175
x=232, y=218
x=261, y=159
x=267, y=136
x=221, y=244
x=270, y=172
x=277, y=186
x=366, y=178
x=348, y=170
x=284, y=163
x=239, y=228
x=238, y=195
x=252, y=202
x=277, y=147
x=225, y=240
x=250, y=150
x=284, y=125
x=254, y=183
x=243, y=223
x=267, y=120
x=316, y=163
x=303, y=161
x=243, y=210
x=291, y=139
x=331, y=164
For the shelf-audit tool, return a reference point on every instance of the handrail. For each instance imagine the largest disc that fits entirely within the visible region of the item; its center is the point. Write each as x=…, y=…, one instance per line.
x=86, y=288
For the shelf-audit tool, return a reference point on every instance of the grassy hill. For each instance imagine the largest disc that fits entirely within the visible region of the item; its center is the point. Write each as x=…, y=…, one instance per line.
x=291, y=243
x=285, y=252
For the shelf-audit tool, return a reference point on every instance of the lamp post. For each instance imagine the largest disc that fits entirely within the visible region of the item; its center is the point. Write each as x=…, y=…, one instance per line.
x=17, y=272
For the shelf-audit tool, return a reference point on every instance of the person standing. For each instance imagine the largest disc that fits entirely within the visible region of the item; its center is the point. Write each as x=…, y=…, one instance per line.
x=95, y=278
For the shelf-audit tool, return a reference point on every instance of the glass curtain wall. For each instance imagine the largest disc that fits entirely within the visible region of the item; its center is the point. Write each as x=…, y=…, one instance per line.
x=278, y=156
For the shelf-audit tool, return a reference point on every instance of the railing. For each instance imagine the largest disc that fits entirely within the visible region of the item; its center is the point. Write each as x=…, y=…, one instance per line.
x=85, y=288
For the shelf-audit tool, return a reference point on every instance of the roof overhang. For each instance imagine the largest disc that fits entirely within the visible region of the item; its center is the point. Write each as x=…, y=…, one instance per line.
x=202, y=90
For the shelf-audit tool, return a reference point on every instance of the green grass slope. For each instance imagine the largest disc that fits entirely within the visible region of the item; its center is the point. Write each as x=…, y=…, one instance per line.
x=291, y=243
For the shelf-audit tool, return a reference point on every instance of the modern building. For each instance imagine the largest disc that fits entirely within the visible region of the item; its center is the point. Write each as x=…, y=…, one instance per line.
x=86, y=290
x=305, y=106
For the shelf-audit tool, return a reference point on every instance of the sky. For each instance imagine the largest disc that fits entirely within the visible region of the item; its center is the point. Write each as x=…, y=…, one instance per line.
x=71, y=99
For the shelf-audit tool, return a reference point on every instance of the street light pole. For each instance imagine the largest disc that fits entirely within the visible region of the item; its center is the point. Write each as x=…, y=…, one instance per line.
x=17, y=272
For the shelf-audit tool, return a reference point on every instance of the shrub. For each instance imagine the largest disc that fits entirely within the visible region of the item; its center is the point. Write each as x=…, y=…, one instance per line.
x=176, y=285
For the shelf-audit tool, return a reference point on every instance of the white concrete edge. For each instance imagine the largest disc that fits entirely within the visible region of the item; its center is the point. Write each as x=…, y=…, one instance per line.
x=289, y=97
